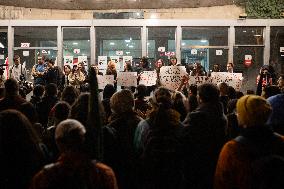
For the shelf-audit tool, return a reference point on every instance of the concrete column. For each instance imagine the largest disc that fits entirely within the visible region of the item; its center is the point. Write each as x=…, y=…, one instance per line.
x=59, y=46
x=231, y=41
x=178, y=43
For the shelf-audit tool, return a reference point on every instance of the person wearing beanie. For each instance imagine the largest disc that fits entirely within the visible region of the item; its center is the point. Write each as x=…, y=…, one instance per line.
x=119, y=135
x=257, y=140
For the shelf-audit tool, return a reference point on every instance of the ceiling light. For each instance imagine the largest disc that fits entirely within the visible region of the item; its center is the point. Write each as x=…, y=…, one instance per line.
x=127, y=52
x=1, y=45
x=244, y=31
x=111, y=43
x=257, y=35
x=127, y=40
x=183, y=44
x=203, y=41
x=75, y=43
x=130, y=46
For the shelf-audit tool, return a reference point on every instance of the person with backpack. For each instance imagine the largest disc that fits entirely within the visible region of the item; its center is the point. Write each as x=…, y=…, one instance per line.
x=256, y=141
x=159, y=138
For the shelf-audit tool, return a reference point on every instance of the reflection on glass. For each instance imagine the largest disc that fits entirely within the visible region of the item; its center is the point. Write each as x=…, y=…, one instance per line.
x=249, y=35
x=76, y=46
x=160, y=37
x=36, y=36
x=249, y=73
x=119, y=41
x=277, y=49
x=3, y=46
x=200, y=44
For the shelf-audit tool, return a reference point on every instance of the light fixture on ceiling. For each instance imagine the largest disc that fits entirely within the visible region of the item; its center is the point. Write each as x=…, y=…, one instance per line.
x=75, y=43
x=88, y=40
x=183, y=44
x=127, y=52
x=130, y=46
x=257, y=35
x=111, y=43
x=148, y=44
x=127, y=40
x=203, y=41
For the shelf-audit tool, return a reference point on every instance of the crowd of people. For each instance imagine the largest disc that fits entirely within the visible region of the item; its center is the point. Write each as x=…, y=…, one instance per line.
x=203, y=136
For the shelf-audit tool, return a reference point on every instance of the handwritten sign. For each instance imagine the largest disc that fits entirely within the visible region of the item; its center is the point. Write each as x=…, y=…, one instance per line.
x=171, y=76
x=25, y=45
x=68, y=60
x=148, y=78
x=103, y=80
x=232, y=79
x=127, y=79
x=102, y=62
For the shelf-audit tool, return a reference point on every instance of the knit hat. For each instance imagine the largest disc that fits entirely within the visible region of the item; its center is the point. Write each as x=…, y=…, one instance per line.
x=122, y=102
x=253, y=110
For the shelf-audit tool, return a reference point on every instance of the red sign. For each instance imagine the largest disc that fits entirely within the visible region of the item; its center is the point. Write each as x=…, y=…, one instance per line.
x=248, y=63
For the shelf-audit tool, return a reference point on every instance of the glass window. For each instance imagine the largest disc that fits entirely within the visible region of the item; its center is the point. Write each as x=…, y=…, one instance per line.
x=207, y=45
x=249, y=35
x=249, y=73
x=160, y=37
x=32, y=42
x=3, y=45
x=76, y=44
x=276, y=52
x=36, y=36
x=119, y=41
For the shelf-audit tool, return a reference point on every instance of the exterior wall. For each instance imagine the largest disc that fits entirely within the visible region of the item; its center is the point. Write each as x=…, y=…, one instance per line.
x=217, y=12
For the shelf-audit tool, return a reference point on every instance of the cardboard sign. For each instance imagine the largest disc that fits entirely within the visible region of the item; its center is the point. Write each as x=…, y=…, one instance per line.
x=83, y=59
x=232, y=79
x=103, y=80
x=102, y=62
x=148, y=78
x=127, y=79
x=171, y=76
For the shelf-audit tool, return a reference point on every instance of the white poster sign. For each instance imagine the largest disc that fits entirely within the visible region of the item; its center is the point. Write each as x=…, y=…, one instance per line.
x=161, y=49
x=103, y=80
x=68, y=60
x=102, y=62
x=193, y=51
x=248, y=57
x=76, y=51
x=171, y=76
x=148, y=78
x=119, y=53
x=83, y=59
x=2, y=57
x=26, y=53
x=127, y=79
x=282, y=49
x=25, y=45
x=232, y=79
x=219, y=52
